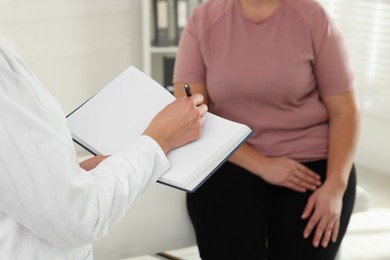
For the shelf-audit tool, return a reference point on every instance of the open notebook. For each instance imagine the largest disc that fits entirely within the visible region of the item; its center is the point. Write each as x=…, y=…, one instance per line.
x=123, y=109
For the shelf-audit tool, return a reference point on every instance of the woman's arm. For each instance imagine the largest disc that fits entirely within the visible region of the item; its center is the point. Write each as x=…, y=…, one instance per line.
x=324, y=206
x=280, y=171
x=343, y=137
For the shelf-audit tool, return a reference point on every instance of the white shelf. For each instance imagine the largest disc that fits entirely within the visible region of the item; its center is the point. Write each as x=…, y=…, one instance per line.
x=152, y=56
x=163, y=50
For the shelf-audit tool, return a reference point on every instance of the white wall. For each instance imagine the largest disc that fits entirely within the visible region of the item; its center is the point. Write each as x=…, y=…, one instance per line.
x=77, y=46
x=74, y=46
x=374, y=144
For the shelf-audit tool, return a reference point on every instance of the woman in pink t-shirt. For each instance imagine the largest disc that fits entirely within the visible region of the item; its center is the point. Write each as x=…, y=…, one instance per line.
x=281, y=68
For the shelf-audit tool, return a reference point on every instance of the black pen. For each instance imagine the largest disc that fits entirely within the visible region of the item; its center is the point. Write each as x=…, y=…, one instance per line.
x=188, y=90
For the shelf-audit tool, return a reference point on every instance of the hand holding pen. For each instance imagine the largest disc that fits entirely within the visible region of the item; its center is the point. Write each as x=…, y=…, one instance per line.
x=202, y=108
x=178, y=123
x=187, y=89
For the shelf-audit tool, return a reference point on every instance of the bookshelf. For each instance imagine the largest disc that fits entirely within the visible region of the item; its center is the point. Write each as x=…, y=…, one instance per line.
x=153, y=56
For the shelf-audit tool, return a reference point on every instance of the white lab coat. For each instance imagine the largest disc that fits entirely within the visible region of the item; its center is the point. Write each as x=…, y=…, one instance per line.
x=50, y=208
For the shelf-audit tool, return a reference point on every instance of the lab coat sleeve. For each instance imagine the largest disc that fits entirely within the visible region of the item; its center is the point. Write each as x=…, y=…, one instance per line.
x=41, y=183
x=146, y=163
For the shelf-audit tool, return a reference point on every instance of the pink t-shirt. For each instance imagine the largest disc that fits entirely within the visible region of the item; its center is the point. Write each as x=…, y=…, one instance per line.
x=268, y=75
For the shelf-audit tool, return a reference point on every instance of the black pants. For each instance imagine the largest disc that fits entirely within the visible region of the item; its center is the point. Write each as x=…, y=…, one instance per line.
x=236, y=215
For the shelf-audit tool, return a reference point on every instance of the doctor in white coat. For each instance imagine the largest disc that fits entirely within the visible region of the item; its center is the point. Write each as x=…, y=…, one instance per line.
x=50, y=207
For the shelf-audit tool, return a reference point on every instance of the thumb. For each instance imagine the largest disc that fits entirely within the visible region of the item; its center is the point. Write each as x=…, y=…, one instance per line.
x=308, y=209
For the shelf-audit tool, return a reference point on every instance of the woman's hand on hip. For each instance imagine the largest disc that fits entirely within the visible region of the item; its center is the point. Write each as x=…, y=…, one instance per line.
x=286, y=172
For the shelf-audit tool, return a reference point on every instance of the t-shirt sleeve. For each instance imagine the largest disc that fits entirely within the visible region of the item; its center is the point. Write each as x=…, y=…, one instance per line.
x=332, y=64
x=189, y=64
